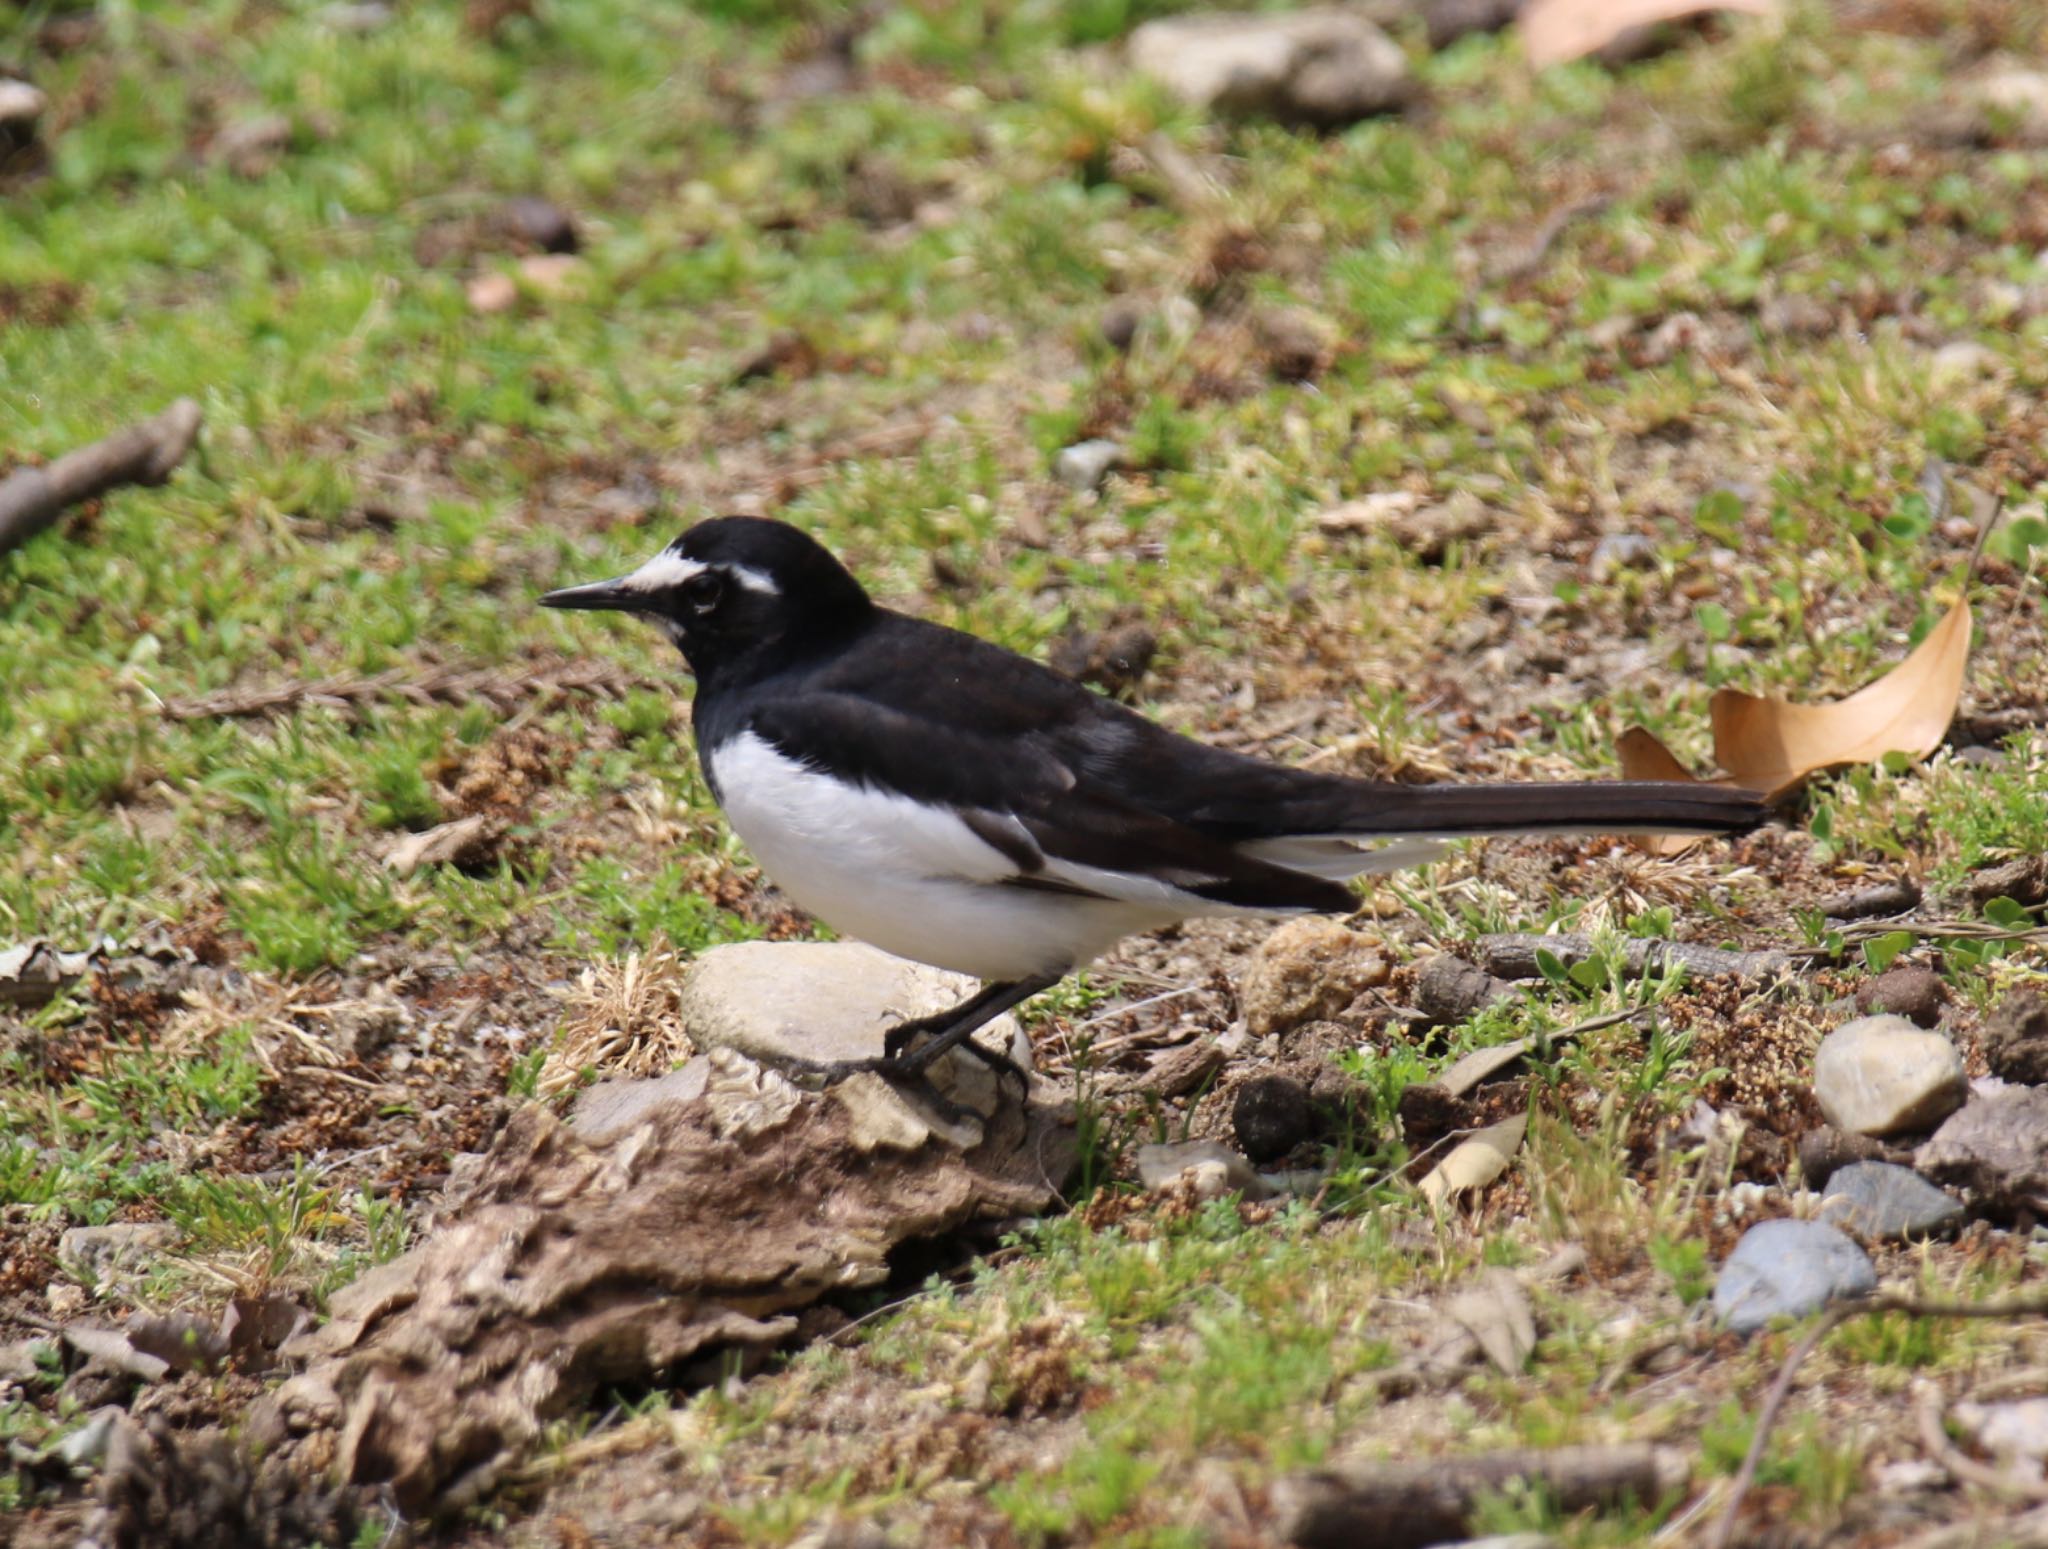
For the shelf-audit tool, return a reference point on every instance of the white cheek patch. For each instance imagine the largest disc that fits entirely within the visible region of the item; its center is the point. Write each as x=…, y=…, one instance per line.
x=666, y=569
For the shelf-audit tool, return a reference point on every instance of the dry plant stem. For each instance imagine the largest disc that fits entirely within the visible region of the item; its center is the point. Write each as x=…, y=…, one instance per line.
x=1912, y=1306
x=451, y=686
x=31, y=499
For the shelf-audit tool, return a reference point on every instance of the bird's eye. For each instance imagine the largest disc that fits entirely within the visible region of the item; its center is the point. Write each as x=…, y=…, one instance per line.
x=702, y=591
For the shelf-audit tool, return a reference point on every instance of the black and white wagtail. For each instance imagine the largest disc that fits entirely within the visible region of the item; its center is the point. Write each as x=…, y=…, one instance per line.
x=950, y=801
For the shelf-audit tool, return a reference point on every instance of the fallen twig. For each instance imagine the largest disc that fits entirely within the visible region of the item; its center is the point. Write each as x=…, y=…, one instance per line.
x=453, y=686
x=1398, y=1504
x=31, y=499
x=1514, y=956
x=2034, y=1306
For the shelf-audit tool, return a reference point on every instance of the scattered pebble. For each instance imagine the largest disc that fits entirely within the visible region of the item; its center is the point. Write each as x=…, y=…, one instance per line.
x=1295, y=344
x=1449, y=20
x=2015, y=1431
x=1271, y=1115
x=1961, y=361
x=2015, y=1038
x=1620, y=551
x=2024, y=881
x=538, y=223
x=1917, y=994
x=1323, y=66
x=1786, y=1269
x=1996, y=1146
x=1159, y=1165
x=1886, y=1202
x=21, y=104
x=1825, y=1150
x=1086, y=464
x=1121, y=320
x=1308, y=971
x=1881, y=1075
x=1114, y=660
x=547, y=275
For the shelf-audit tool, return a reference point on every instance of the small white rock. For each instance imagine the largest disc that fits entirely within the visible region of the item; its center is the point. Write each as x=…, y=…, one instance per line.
x=20, y=104
x=1882, y=1076
x=1085, y=464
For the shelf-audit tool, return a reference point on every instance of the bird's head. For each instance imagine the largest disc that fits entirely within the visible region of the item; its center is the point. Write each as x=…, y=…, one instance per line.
x=734, y=588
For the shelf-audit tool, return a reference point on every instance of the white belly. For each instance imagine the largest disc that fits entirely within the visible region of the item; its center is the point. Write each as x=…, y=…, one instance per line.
x=910, y=879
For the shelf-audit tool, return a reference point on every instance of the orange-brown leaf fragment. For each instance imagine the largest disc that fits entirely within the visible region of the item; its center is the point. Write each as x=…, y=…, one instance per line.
x=1556, y=31
x=1771, y=746
x=1643, y=757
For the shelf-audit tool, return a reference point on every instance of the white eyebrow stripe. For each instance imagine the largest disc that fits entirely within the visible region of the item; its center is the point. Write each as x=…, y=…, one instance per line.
x=753, y=580
x=666, y=569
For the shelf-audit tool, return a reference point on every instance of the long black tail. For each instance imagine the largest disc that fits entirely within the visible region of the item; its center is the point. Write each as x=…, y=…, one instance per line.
x=1588, y=806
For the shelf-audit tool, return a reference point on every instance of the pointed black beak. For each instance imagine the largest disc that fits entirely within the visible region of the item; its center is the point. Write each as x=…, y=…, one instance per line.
x=595, y=594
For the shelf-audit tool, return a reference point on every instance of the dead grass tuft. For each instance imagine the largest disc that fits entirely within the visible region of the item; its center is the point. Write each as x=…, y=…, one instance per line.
x=623, y=1020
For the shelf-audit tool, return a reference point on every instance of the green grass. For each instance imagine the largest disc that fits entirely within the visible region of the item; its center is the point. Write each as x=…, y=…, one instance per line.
x=388, y=480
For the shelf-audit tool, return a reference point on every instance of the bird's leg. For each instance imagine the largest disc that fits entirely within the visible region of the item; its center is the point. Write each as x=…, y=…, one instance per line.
x=955, y=1028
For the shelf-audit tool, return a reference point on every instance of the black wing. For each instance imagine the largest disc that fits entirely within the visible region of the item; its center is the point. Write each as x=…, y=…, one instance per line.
x=1057, y=824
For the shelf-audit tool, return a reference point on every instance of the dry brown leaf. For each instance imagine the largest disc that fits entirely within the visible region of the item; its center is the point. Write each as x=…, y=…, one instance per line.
x=1772, y=746
x=1643, y=757
x=1556, y=31
x=1474, y=1162
x=1496, y=1312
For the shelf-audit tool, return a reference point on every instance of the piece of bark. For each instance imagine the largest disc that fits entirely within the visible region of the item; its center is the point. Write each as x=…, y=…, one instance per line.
x=1399, y=1505
x=1870, y=903
x=564, y=1266
x=1513, y=956
x=31, y=499
x=1448, y=989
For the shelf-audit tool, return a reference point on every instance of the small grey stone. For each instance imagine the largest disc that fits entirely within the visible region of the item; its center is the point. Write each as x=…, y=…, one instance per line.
x=1323, y=67
x=1884, y=1201
x=611, y=1108
x=1917, y=994
x=1272, y=1115
x=1786, y=1269
x=1085, y=464
x=1620, y=551
x=1159, y=1165
x=1881, y=1075
x=2015, y=1038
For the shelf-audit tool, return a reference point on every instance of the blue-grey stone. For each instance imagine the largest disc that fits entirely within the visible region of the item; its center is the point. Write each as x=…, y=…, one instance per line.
x=1786, y=1269
x=1885, y=1201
